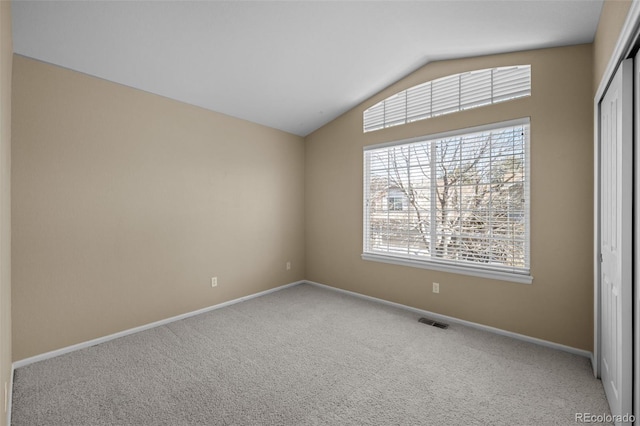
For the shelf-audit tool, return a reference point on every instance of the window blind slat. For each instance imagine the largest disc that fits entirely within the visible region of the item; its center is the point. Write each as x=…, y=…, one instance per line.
x=374, y=117
x=419, y=102
x=395, y=110
x=475, y=89
x=445, y=95
x=510, y=83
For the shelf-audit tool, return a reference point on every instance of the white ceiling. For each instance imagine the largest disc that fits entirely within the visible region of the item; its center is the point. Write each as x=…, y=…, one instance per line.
x=293, y=66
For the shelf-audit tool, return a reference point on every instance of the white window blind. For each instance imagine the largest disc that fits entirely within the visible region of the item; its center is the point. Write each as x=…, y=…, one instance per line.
x=450, y=94
x=464, y=198
x=418, y=103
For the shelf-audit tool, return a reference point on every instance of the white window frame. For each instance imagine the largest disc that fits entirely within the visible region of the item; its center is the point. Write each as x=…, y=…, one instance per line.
x=479, y=270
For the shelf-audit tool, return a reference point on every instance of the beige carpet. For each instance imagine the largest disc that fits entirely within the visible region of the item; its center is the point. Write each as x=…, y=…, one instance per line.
x=308, y=356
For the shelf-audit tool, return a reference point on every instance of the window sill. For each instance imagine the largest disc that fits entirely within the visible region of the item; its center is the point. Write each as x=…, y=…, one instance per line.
x=475, y=272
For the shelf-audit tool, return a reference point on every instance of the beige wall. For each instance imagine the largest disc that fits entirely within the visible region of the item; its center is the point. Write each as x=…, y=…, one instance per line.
x=125, y=204
x=6, y=57
x=558, y=306
x=612, y=18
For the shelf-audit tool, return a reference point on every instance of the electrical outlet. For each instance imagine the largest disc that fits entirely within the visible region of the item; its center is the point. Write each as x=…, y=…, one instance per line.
x=288, y=266
x=214, y=281
x=436, y=287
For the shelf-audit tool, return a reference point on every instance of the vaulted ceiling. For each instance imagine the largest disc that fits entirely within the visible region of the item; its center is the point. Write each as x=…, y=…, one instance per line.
x=291, y=65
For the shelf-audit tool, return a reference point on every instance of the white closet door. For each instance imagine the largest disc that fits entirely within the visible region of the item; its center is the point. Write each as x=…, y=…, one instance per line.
x=616, y=168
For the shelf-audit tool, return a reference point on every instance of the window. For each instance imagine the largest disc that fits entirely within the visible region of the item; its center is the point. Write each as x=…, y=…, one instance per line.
x=449, y=94
x=456, y=202
x=396, y=199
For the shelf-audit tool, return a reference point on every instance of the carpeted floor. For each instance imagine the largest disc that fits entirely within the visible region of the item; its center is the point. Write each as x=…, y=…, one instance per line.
x=308, y=356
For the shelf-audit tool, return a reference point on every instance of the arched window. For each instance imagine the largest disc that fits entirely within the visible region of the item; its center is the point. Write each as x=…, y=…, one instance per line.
x=450, y=94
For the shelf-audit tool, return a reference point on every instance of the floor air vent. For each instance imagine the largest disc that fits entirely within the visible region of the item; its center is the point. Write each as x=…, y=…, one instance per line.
x=433, y=323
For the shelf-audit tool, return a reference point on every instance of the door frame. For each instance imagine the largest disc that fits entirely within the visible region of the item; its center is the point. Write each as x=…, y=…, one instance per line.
x=627, y=41
x=635, y=403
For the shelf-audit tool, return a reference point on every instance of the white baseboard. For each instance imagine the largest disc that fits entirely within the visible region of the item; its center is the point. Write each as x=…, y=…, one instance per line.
x=93, y=342
x=446, y=318
x=440, y=317
x=10, y=397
